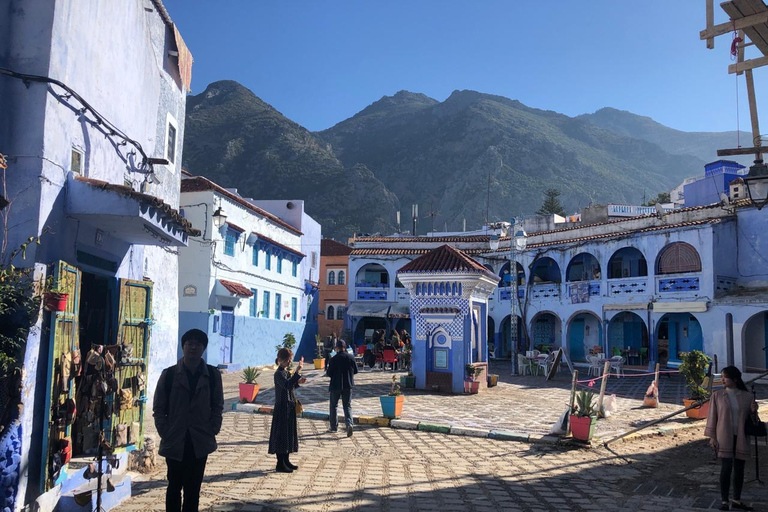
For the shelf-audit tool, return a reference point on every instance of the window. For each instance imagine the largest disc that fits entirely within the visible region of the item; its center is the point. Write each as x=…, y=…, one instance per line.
x=267, y=260
x=255, y=257
x=279, y=264
x=278, y=298
x=330, y=316
x=341, y=277
x=170, y=141
x=294, y=268
x=340, y=313
x=265, y=305
x=254, y=311
x=677, y=258
x=76, y=163
x=314, y=259
x=230, y=239
x=227, y=321
x=294, y=309
x=331, y=277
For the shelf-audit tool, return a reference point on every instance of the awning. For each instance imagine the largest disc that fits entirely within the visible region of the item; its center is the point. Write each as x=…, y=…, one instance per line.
x=627, y=306
x=231, y=289
x=376, y=310
x=400, y=311
x=125, y=214
x=680, y=307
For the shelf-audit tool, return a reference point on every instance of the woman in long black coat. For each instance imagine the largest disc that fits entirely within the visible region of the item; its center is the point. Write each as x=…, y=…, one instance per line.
x=284, y=435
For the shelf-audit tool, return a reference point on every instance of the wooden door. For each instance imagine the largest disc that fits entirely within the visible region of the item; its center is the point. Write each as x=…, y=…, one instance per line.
x=64, y=338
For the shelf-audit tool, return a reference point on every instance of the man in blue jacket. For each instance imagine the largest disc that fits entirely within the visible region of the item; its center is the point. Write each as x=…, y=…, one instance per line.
x=341, y=369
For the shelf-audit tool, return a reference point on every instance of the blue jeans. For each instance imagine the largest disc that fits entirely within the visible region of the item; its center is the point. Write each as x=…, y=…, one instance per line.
x=346, y=401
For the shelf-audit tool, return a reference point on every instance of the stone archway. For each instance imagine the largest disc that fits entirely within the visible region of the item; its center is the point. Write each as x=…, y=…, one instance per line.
x=584, y=331
x=546, y=331
x=755, y=343
x=627, y=331
x=677, y=333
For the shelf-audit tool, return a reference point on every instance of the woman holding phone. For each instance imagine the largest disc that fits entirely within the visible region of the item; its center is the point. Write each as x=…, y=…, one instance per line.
x=284, y=435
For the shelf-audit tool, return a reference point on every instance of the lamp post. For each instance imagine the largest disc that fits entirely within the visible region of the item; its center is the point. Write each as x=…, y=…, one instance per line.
x=219, y=217
x=517, y=241
x=757, y=184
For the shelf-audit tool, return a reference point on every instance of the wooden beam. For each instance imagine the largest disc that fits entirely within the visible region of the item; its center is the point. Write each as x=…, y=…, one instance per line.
x=738, y=151
x=710, y=24
x=725, y=28
x=740, y=51
x=747, y=64
x=753, y=112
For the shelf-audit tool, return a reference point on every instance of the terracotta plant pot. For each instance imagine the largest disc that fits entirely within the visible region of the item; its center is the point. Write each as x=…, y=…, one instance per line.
x=55, y=301
x=697, y=413
x=392, y=406
x=248, y=392
x=471, y=386
x=582, y=427
x=319, y=363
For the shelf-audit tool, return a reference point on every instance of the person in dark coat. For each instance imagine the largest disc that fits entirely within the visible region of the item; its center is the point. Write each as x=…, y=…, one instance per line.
x=284, y=435
x=341, y=370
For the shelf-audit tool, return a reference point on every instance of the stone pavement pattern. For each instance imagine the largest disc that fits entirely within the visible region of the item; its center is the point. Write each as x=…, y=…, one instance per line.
x=528, y=404
x=396, y=470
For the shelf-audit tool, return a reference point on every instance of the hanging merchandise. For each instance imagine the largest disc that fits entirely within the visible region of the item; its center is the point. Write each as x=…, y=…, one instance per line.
x=76, y=363
x=126, y=399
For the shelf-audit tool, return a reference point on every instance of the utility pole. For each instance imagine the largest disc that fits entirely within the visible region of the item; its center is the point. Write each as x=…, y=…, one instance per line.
x=415, y=215
x=432, y=213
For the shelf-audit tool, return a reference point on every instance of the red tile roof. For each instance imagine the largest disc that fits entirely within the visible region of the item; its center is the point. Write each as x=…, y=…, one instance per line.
x=199, y=184
x=155, y=202
x=444, y=259
x=374, y=251
x=278, y=244
x=425, y=239
x=330, y=247
x=236, y=288
x=235, y=227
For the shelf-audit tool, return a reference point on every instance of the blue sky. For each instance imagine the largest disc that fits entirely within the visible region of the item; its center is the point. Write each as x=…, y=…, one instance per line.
x=320, y=62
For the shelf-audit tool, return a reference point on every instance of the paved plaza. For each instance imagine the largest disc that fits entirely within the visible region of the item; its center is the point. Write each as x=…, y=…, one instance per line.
x=397, y=470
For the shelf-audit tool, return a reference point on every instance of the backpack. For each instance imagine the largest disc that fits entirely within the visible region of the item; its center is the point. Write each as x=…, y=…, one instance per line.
x=169, y=376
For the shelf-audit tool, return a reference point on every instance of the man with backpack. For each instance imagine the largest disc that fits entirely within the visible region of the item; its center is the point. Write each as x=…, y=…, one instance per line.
x=188, y=405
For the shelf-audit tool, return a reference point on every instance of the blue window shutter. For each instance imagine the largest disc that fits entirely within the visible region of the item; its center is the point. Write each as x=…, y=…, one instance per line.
x=279, y=264
x=253, y=302
x=294, y=268
x=265, y=305
x=294, y=308
x=278, y=299
x=229, y=242
x=268, y=260
x=255, y=259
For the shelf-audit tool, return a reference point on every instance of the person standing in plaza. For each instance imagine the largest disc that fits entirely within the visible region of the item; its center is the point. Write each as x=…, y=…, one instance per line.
x=284, y=434
x=341, y=370
x=729, y=409
x=187, y=408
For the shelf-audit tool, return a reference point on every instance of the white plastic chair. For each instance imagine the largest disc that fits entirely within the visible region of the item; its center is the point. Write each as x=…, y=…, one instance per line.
x=617, y=365
x=544, y=364
x=595, y=367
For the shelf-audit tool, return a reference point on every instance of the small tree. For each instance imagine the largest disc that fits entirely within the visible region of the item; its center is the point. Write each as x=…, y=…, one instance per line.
x=551, y=204
x=662, y=197
x=289, y=341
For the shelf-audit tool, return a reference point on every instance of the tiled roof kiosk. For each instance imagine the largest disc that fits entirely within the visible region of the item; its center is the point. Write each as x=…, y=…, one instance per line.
x=449, y=310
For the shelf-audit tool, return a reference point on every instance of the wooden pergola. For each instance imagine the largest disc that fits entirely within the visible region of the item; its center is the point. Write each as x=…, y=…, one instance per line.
x=750, y=19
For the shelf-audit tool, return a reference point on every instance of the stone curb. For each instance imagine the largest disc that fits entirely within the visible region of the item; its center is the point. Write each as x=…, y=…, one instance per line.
x=458, y=430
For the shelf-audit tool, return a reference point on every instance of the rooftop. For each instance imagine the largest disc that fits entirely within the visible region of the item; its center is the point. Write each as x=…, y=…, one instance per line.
x=445, y=259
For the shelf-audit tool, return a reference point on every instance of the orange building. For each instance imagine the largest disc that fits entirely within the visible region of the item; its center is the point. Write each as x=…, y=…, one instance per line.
x=332, y=294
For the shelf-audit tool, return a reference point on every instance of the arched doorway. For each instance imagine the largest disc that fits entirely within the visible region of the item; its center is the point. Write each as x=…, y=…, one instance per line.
x=504, y=347
x=545, y=270
x=627, y=262
x=546, y=332
x=755, y=336
x=583, y=267
x=677, y=333
x=627, y=332
x=506, y=279
x=491, y=336
x=585, y=330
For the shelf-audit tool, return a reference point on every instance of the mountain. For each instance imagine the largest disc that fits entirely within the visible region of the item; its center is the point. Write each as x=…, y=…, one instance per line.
x=702, y=145
x=473, y=156
x=237, y=140
x=443, y=154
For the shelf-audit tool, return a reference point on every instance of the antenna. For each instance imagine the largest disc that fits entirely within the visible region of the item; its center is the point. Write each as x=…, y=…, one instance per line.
x=432, y=213
x=398, y=221
x=464, y=224
x=415, y=215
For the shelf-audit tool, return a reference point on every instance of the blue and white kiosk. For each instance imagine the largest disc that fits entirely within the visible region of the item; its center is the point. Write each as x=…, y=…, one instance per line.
x=449, y=310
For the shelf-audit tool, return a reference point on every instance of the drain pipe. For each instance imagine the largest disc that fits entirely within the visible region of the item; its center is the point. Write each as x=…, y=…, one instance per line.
x=665, y=418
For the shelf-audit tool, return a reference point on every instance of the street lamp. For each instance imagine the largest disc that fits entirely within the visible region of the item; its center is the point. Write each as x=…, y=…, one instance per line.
x=757, y=184
x=517, y=242
x=219, y=217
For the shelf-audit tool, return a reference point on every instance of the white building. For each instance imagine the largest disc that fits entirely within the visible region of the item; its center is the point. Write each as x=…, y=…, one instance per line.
x=241, y=281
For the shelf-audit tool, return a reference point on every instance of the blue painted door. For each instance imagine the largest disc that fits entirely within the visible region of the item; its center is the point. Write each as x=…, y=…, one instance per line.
x=227, y=333
x=576, y=341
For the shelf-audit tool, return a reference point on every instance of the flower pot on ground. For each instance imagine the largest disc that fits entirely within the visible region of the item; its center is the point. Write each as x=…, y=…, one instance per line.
x=694, y=368
x=249, y=389
x=493, y=380
x=319, y=363
x=583, y=416
x=408, y=381
x=56, y=301
x=392, y=403
x=471, y=386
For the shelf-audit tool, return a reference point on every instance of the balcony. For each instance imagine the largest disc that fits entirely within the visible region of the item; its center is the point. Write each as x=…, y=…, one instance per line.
x=724, y=284
x=686, y=283
x=545, y=291
x=628, y=286
x=402, y=296
x=506, y=293
x=580, y=291
x=371, y=291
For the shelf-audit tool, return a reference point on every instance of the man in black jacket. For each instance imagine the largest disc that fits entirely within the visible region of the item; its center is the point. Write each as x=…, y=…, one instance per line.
x=341, y=369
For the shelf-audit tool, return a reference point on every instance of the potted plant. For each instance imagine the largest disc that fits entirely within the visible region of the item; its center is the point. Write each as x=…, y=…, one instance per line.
x=408, y=381
x=319, y=359
x=693, y=368
x=471, y=384
x=392, y=402
x=583, y=416
x=55, y=298
x=493, y=379
x=249, y=389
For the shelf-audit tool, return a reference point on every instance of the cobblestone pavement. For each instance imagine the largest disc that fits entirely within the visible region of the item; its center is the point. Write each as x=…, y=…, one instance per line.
x=396, y=470
x=528, y=404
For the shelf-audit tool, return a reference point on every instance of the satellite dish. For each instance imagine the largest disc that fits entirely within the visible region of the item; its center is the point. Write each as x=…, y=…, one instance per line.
x=724, y=198
x=659, y=209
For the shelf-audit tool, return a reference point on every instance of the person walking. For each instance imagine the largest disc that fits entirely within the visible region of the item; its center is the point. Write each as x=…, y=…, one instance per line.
x=729, y=409
x=284, y=434
x=341, y=370
x=187, y=409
